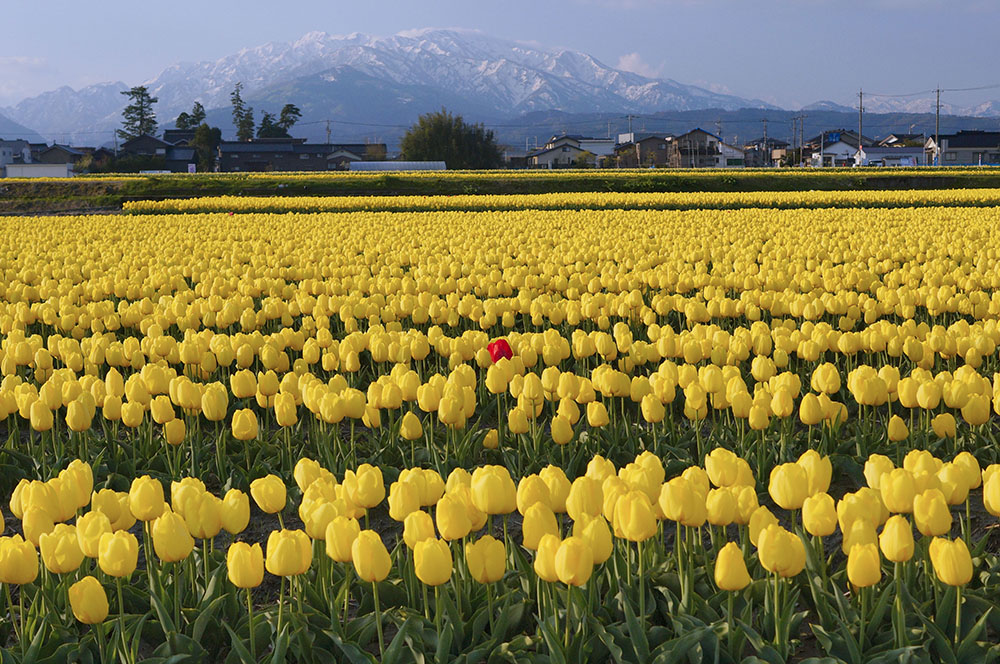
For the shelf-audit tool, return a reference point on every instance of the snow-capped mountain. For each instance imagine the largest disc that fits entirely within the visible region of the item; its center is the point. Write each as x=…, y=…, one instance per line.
x=878, y=104
x=473, y=71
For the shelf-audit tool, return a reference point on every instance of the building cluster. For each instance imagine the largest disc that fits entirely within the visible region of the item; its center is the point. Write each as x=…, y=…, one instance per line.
x=173, y=152
x=702, y=149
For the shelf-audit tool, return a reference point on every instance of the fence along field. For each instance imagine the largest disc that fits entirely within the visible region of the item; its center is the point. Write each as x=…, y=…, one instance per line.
x=557, y=434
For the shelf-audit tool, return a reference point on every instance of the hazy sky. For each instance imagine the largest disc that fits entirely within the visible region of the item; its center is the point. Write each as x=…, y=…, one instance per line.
x=789, y=52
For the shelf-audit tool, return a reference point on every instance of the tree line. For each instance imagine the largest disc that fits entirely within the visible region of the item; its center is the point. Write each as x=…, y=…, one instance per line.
x=437, y=136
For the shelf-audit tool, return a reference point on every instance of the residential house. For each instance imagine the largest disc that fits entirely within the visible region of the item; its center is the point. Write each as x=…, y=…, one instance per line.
x=834, y=148
x=730, y=156
x=902, y=140
x=63, y=154
x=966, y=148
x=699, y=149
x=565, y=155
x=599, y=147
x=291, y=154
x=762, y=152
x=889, y=156
x=15, y=152
x=652, y=151
x=178, y=136
x=145, y=146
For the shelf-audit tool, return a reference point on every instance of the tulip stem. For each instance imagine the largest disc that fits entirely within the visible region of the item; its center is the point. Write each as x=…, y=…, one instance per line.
x=378, y=621
x=121, y=620
x=427, y=604
x=862, y=601
x=489, y=604
x=900, y=616
x=177, y=594
x=437, y=613
x=958, y=614
x=642, y=587
x=347, y=597
x=568, y=609
x=101, y=641
x=730, y=596
x=253, y=645
x=20, y=617
x=281, y=602
x=10, y=610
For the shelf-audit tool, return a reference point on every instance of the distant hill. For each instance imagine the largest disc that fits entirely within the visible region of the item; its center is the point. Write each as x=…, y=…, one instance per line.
x=10, y=130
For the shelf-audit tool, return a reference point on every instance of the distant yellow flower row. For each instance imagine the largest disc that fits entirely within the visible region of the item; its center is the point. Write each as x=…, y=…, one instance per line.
x=577, y=201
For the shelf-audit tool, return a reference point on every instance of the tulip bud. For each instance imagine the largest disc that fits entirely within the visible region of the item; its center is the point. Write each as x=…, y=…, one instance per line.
x=452, y=518
x=951, y=560
x=245, y=564
x=721, y=466
x=61, y=550
x=788, y=486
x=545, y=558
x=585, y=498
x=864, y=567
x=780, y=551
x=486, y=559
x=171, y=538
x=340, y=536
x=493, y=491
x=269, y=493
x=759, y=520
x=89, y=601
x=244, y=424
x=18, y=561
x=146, y=498
x=418, y=526
x=597, y=414
x=634, y=517
x=118, y=553
x=898, y=489
x=876, y=467
x=896, y=540
x=530, y=490
x=931, y=513
x=432, y=561
x=289, y=552
x=574, y=561
x=371, y=560
x=897, y=429
x=539, y=521
x=731, y=569
x=89, y=529
x=819, y=515
x=235, y=512
x=720, y=507
x=410, y=427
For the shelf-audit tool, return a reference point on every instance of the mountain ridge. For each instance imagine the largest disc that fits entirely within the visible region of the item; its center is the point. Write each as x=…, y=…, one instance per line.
x=358, y=78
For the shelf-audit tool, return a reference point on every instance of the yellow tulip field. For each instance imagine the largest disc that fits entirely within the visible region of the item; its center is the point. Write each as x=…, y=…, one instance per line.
x=602, y=427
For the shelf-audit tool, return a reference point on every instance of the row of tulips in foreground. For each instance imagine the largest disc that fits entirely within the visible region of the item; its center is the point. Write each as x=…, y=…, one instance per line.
x=642, y=553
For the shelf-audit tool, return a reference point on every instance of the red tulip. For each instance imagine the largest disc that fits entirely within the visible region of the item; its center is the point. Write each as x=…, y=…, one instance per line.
x=499, y=348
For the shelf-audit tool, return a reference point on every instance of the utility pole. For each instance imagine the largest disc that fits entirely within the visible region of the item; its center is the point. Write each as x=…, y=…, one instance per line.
x=327, y=132
x=802, y=136
x=861, y=110
x=767, y=151
x=937, y=129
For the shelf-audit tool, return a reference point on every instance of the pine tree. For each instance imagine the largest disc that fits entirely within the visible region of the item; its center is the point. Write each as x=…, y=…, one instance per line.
x=242, y=115
x=138, y=117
